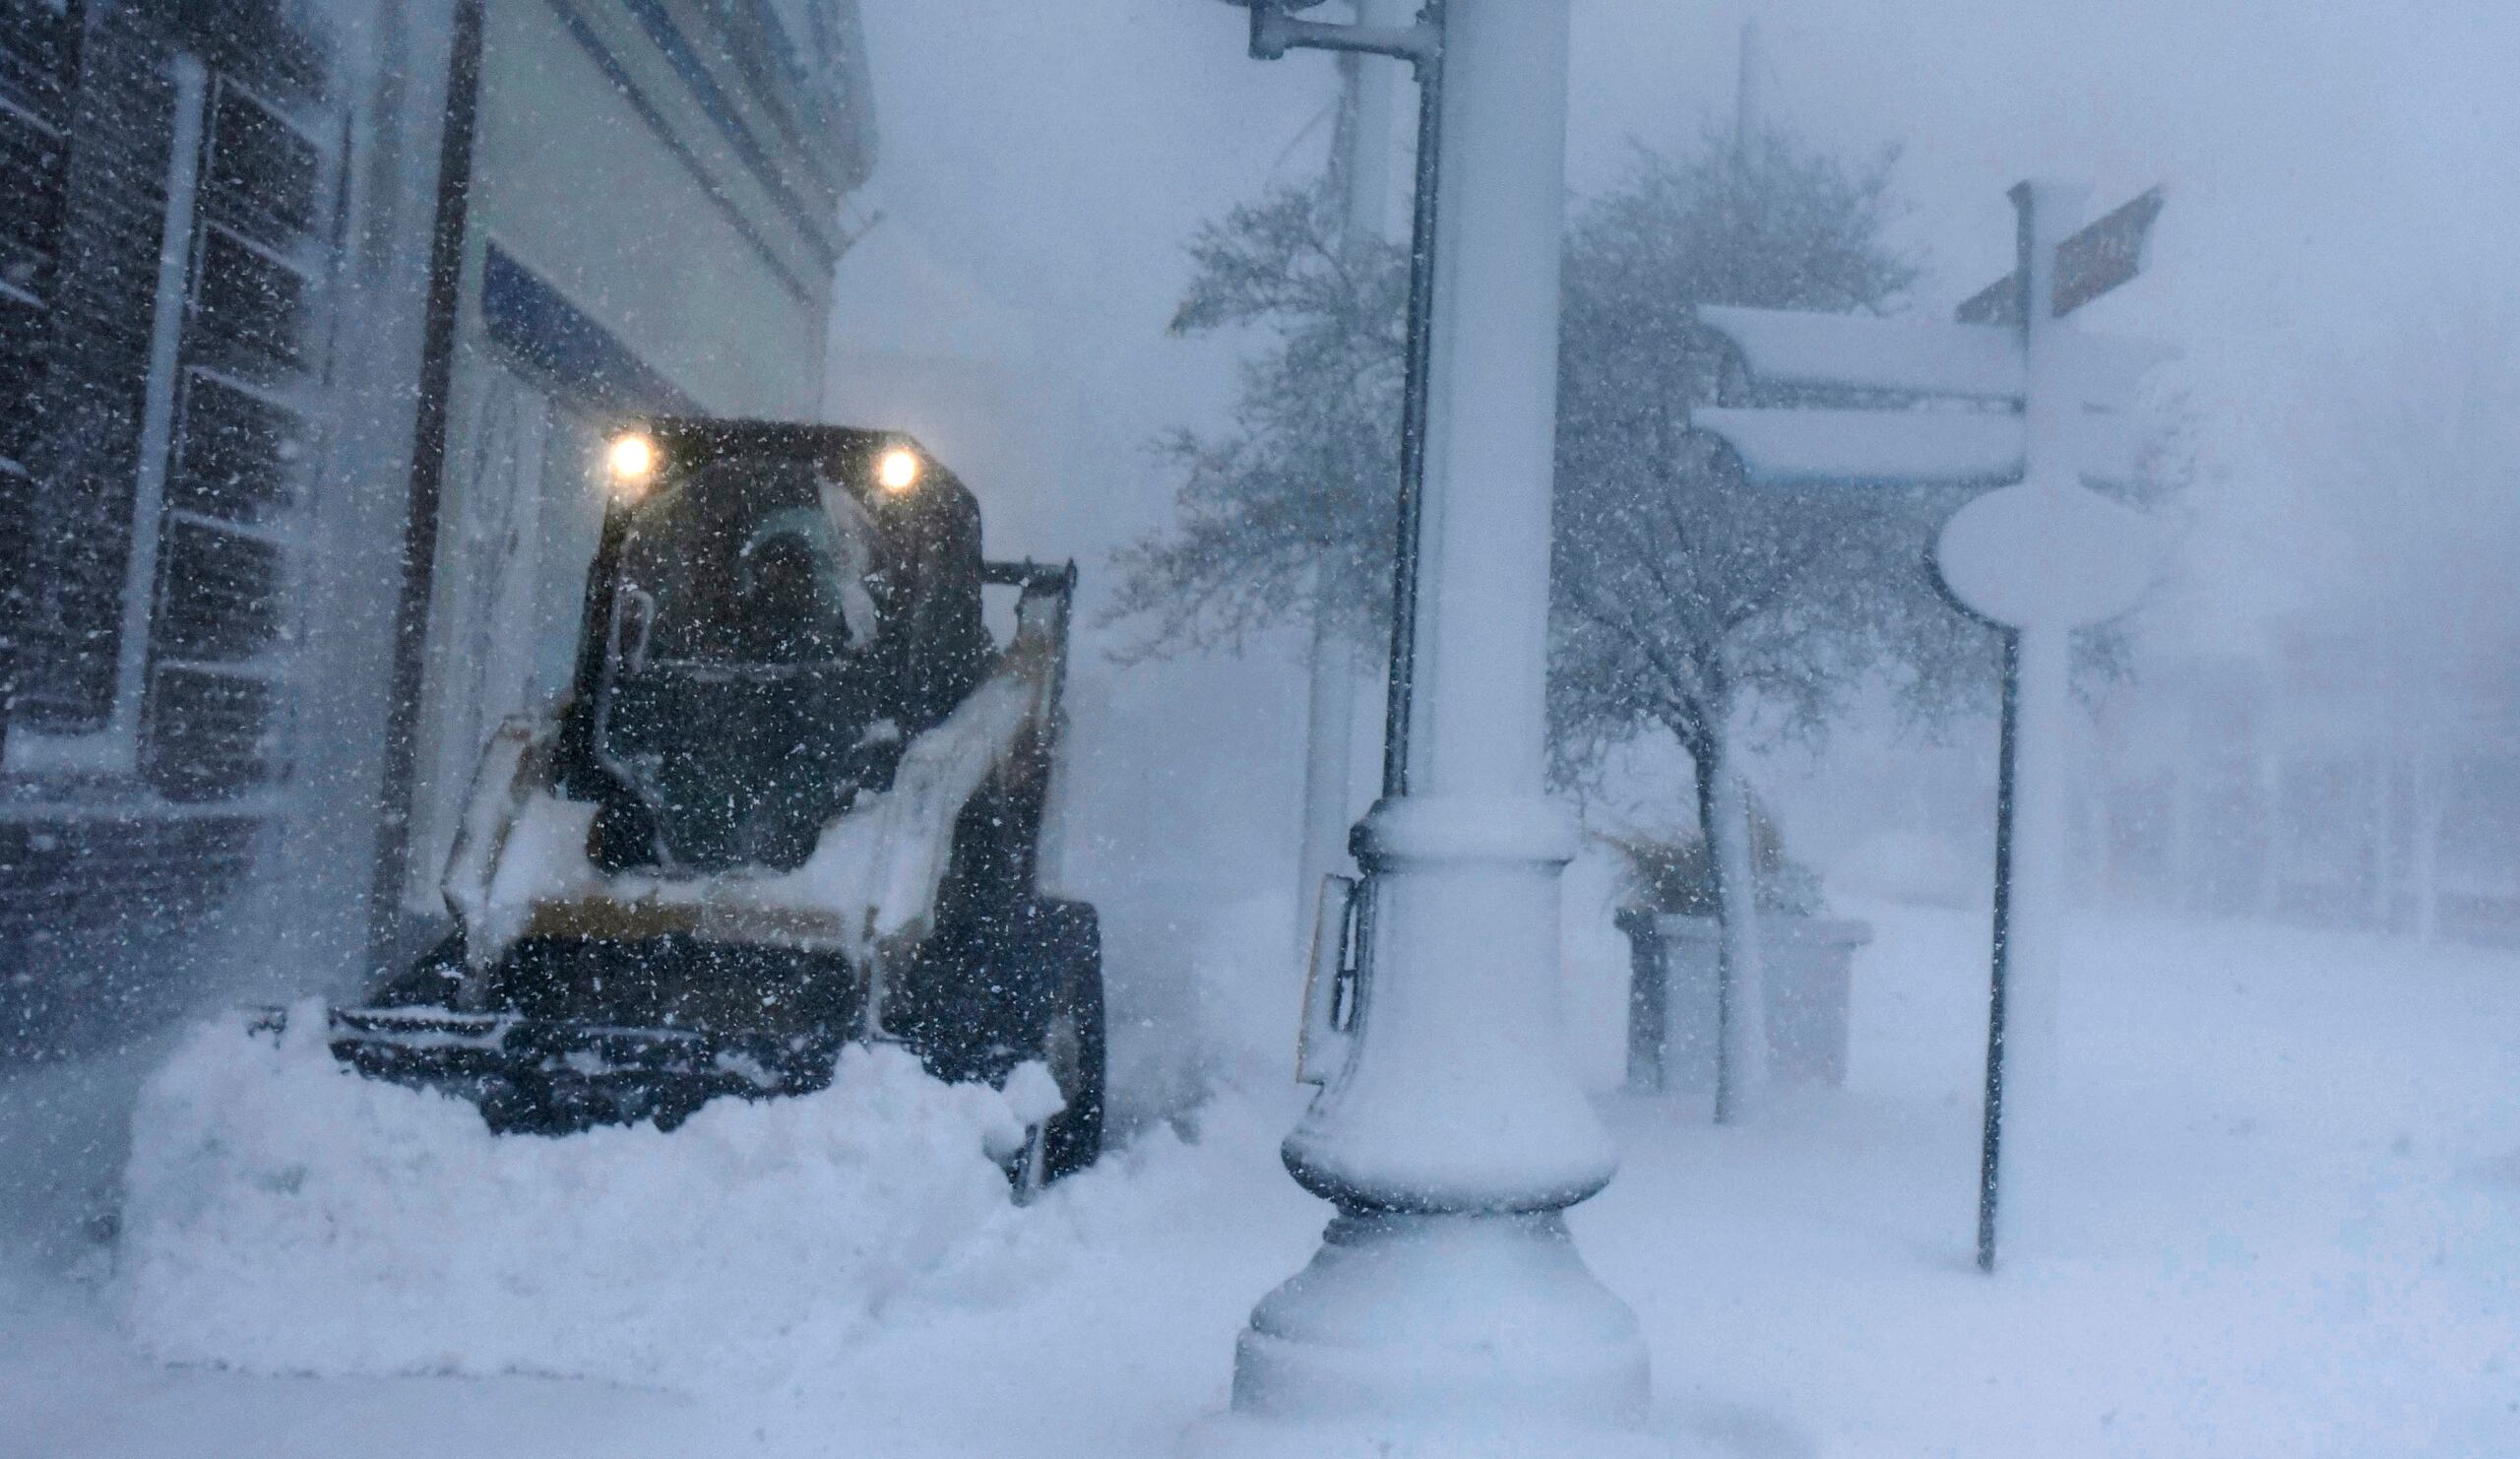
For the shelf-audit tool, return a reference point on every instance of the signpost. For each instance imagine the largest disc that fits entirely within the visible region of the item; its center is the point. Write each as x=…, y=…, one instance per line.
x=2028, y=402
x=2089, y=264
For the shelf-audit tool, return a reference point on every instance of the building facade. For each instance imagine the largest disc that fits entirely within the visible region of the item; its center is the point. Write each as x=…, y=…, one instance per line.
x=2337, y=781
x=310, y=315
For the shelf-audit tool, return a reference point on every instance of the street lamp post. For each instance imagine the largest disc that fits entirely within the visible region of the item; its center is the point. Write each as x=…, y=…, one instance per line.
x=1447, y=1310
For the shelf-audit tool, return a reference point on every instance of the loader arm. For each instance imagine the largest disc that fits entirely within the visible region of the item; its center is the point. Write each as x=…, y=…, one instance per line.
x=516, y=763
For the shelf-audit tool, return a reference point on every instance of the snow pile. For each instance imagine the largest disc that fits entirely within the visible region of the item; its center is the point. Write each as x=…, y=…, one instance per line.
x=2293, y=1166
x=286, y=1216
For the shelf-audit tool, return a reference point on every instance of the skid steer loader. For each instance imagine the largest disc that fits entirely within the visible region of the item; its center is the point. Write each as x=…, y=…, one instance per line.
x=794, y=800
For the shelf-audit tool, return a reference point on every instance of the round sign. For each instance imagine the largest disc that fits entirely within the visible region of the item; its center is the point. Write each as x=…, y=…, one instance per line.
x=2048, y=555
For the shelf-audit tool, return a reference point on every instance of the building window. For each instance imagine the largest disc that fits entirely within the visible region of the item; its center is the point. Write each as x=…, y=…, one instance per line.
x=39, y=66
x=219, y=648
x=113, y=748
x=199, y=661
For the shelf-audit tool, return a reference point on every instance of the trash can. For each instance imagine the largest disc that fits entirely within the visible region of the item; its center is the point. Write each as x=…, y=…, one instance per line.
x=1674, y=964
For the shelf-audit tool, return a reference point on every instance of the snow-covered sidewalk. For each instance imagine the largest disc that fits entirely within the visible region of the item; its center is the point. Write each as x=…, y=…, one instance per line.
x=2295, y=1229
x=2297, y=1233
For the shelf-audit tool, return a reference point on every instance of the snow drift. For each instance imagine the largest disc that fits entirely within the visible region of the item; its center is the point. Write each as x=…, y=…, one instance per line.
x=286, y=1216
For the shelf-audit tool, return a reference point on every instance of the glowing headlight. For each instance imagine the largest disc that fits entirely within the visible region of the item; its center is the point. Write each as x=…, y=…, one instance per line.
x=897, y=469
x=632, y=460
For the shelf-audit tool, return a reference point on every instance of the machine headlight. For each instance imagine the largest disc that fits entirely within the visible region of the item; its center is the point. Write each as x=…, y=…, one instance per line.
x=631, y=461
x=897, y=469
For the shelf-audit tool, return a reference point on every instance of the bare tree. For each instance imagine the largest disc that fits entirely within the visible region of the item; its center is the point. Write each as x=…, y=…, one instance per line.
x=1684, y=596
x=1289, y=513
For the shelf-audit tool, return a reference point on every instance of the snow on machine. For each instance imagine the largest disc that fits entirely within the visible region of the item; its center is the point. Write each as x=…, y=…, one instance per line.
x=793, y=800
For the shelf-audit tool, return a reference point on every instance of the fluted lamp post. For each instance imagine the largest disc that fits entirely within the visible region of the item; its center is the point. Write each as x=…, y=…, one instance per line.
x=1447, y=1311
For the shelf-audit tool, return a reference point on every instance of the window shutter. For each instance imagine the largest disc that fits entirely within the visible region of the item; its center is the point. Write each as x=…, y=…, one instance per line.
x=222, y=646
x=39, y=66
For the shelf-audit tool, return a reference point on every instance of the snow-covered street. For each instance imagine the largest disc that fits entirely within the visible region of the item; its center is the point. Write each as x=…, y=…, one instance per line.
x=1269, y=729
x=2296, y=1233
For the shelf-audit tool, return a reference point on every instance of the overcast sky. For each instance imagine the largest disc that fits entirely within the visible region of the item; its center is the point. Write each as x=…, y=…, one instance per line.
x=2341, y=133
x=2339, y=172
x=2330, y=164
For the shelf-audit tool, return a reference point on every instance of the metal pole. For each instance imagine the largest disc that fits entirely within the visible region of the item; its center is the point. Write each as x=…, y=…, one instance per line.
x=1448, y=1305
x=1413, y=412
x=1748, y=121
x=2024, y=247
x=1991, y=1137
x=1360, y=160
x=2026, y=973
x=1329, y=728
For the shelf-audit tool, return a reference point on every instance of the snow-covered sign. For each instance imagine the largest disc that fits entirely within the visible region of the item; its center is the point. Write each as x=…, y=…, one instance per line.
x=2039, y=555
x=1978, y=374
x=1923, y=356
x=2089, y=264
x=2005, y=394
x=1949, y=448
x=1992, y=397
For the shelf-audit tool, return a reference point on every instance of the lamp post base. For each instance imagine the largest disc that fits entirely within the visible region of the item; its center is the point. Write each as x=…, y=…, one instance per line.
x=1239, y=1436
x=1451, y=1334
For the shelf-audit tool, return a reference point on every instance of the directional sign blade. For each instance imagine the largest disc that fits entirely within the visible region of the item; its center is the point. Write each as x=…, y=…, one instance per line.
x=2029, y=556
x=2089, y=264
x=1920, y=357
x=2106, y=254
x=1812, y=448
x=1998, y=304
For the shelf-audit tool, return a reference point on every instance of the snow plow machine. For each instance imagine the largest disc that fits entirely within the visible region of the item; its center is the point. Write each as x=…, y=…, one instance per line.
x=793, y=800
